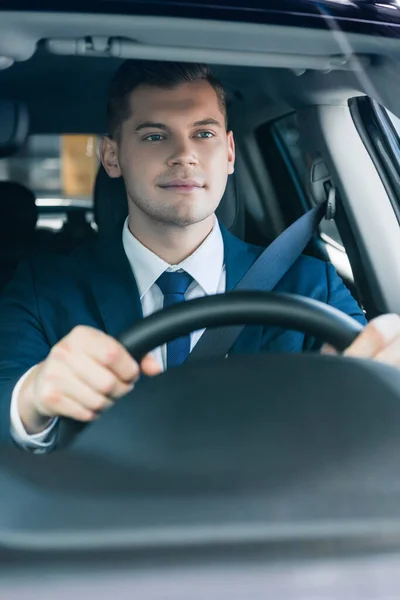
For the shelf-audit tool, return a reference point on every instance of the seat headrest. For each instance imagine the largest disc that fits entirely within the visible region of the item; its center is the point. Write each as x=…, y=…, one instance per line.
x=111, y=207
x=14, y=126
x=18, y=212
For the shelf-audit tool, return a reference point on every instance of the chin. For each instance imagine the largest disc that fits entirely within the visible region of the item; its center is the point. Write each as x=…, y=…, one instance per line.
x=185, y=218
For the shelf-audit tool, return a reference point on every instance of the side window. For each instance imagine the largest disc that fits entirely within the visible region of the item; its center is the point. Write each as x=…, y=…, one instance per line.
x=395, y=121
x=287, y=138
x=379, y=131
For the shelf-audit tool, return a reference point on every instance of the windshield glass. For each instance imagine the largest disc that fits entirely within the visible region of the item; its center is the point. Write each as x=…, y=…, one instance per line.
x=199, y=281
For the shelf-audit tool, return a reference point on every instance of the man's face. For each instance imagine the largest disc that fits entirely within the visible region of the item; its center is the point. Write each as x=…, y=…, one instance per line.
x=174, y=153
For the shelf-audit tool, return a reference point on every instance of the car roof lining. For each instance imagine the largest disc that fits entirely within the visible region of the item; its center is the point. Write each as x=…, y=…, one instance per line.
x=262, y=92
x=20, y=32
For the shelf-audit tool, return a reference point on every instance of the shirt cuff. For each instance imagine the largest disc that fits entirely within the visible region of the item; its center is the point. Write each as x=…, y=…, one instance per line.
x=39, y=443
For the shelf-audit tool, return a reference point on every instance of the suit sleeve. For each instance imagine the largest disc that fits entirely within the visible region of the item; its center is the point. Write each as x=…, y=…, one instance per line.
x=23, y=342
x=338, y=296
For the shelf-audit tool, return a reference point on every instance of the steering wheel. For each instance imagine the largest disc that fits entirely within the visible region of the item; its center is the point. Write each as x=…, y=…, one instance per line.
x=289, y=311
x=233, y=308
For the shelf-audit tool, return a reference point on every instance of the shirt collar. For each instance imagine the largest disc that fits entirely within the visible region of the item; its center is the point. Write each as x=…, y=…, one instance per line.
x=204, y=265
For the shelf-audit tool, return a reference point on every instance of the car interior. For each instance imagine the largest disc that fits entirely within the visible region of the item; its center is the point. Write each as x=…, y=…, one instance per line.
x=223, y=495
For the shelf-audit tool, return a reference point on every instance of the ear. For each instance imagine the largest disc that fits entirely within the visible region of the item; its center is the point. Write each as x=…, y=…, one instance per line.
x=109, y=156
x=231, y=153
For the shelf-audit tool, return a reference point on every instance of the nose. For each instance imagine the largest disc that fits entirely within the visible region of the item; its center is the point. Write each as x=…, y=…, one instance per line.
x=183, y=154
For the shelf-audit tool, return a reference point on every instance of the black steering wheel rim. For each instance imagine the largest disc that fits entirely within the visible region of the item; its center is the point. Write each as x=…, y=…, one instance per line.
x=289, y=311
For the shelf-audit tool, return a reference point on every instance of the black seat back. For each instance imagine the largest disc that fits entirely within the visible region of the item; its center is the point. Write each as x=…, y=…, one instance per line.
x=18, y=216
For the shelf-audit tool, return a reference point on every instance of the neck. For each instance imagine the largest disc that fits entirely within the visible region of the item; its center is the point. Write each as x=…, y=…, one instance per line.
x=170, y=242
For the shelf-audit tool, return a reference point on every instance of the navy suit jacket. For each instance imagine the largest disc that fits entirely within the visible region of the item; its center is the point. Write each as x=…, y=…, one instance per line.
x=95, y=286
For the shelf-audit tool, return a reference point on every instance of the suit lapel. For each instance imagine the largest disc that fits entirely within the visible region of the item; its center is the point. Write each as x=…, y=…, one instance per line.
x=239, y=257
x=113, y=284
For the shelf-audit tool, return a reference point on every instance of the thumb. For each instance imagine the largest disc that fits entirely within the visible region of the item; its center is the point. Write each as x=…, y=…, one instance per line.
x=150, y=366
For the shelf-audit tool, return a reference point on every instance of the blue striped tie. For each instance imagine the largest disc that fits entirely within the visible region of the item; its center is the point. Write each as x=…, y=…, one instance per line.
x=174, y=286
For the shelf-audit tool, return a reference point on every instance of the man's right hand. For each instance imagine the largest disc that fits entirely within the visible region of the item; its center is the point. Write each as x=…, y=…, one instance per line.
x=84, y=374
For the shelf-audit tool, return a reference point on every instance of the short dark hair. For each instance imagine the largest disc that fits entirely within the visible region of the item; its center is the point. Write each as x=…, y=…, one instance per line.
x=133, y=73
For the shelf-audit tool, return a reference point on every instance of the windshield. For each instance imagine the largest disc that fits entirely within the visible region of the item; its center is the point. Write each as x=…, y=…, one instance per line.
x=200, y=222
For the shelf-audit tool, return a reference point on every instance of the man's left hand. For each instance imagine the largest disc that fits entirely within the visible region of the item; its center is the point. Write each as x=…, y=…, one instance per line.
x=380, y=341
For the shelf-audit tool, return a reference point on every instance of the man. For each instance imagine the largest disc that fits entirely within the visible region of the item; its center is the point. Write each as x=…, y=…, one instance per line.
x=168, y=139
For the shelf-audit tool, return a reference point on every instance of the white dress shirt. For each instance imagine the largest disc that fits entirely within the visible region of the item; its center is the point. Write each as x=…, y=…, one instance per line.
x=205, y=265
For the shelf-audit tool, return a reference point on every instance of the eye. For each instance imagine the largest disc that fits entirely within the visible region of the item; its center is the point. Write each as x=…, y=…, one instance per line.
x=205, y=135
x=154, y=137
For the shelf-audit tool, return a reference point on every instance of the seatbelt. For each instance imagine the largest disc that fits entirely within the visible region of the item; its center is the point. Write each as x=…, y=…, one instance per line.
x=263, y=275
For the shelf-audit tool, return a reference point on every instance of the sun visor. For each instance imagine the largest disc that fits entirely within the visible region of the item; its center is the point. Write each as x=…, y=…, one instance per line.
x=14, y=126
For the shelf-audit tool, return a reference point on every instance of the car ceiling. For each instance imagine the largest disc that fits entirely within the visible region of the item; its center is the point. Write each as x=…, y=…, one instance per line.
x=63, y=93
x=67, y=93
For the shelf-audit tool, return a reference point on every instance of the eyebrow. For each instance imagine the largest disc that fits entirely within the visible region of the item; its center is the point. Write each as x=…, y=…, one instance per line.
x=206, y=122
x=155, y=125
x=151, y=125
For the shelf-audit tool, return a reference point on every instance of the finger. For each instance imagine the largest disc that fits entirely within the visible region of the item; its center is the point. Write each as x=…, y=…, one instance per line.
x=390, y=355
x=103, y=349
x=378, y=334
x=328, y=349
x=150, y=366
x=74, y=410
x=93, y=374
x=60, y=383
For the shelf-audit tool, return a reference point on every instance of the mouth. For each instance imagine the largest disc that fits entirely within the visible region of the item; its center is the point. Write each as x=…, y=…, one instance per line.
x=182, y=185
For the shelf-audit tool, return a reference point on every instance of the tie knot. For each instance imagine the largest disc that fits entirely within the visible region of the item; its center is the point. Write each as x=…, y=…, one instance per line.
x=171, y=283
